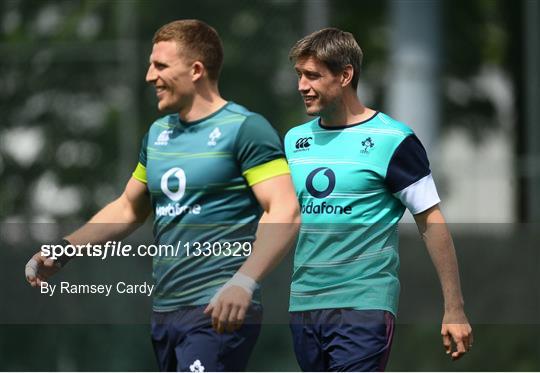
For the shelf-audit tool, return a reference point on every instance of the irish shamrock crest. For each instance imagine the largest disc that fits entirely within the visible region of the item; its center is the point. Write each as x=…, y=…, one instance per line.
x=196, y=366
x=214, y=136
x=367, y=144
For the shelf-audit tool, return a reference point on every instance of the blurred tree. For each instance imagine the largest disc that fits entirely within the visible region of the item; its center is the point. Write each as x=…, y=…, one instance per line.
x=72, y=101
x=482, y=60
x=59, y=109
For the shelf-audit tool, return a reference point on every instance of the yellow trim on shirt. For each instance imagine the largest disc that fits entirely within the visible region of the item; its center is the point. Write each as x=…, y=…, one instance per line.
x=266, y=171
x=140, y=173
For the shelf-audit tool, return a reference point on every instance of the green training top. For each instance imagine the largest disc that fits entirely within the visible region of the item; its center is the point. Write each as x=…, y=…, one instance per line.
x=353, y=184
x=199, y=176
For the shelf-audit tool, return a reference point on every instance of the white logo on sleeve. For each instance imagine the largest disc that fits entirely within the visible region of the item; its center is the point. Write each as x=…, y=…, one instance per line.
x=214, y=135
x=163, y=138
x=181, y=176
x=196, y=366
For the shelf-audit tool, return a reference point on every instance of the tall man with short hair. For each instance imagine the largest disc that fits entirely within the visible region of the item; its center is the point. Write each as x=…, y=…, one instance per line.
x=209, y=172
x=355, y=170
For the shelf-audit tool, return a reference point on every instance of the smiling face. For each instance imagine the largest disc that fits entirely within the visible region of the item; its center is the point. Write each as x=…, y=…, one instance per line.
x=172, y=75
x=320, y=88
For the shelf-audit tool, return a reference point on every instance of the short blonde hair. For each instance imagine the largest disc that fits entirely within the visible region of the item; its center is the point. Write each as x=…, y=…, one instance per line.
x=200, y=41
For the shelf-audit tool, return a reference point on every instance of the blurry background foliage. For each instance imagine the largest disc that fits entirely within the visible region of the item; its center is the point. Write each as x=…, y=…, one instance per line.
x=74, y=107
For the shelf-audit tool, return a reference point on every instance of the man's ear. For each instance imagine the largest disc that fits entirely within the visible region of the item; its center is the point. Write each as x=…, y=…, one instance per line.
x=197, y=71
x=347, y=75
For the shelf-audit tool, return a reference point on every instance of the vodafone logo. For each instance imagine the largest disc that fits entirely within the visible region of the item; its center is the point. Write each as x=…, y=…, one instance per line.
x=330, y=175
x=315, y=208
x=180, y=175
x=175, y=178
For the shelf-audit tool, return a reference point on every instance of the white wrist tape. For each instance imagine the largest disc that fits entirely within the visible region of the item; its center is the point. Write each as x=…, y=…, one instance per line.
x=244, y=281
x=241, y=280
x=31, y=268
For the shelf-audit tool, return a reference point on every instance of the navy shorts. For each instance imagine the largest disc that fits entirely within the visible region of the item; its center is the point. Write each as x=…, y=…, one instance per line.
x=185, y=341
x=342, y=339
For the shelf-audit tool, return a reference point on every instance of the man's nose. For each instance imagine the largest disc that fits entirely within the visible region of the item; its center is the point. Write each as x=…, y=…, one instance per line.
x=303, y=85
x=151, y=75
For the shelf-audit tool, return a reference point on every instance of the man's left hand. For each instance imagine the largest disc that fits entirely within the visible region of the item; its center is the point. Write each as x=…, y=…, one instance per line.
x=228, y=309
x=456, y=335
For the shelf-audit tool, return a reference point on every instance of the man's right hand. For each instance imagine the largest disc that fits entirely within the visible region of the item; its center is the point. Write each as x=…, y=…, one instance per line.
x=115, y=221
x=39, y=268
